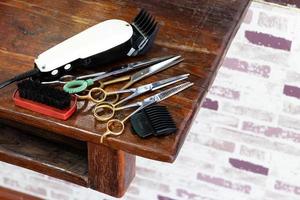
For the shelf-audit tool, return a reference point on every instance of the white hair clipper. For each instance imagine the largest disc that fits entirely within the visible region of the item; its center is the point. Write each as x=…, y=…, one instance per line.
x=102, y=43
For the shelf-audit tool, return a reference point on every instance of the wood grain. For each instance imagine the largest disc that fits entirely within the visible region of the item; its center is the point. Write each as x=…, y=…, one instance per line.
x=58, y=160
x=110, y=171
x=7, y=194
x=200, y=31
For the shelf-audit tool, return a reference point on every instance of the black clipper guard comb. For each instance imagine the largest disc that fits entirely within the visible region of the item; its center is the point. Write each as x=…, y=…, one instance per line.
x=145, y=29
x=154, y=120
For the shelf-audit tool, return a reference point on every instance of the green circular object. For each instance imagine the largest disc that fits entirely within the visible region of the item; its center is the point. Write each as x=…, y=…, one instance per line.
x=77, y=86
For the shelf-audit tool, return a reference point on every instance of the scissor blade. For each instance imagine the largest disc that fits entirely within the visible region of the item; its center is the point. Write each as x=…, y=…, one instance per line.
x=131, y=66
x=90, y=75
x=159, y=97
x=140, y=64
x=172, y=91
x=156, y=68
x=163, y=83
x=148, y=62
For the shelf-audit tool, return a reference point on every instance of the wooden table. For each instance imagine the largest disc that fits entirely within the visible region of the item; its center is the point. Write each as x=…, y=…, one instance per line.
x=199, y=30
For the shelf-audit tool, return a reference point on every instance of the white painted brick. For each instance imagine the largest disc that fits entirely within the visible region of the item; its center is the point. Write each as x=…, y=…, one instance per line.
x=285, y=165
x=256, y=141
x=239, y=175
x=244, y=111
x=254, y=154
x=271, y=195
x=211, y=142
x=289, y=122
x=292, y=108
x=217, y=118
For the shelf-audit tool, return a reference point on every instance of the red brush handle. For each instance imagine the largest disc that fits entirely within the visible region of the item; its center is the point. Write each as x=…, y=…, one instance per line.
x=45, y=109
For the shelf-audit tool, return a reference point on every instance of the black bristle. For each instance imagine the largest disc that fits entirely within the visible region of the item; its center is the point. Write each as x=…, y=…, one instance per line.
x=35, y=91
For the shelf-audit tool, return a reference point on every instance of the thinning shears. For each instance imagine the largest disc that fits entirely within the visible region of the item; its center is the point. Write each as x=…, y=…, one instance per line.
x=116, y=127
x=135, y=92
x=93, y=94
x=82, y=83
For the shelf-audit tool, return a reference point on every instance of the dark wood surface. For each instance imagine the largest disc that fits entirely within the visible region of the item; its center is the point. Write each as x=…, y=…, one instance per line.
x=42, y=155
x=7, y=194
x=200, y=31
x=110, y=171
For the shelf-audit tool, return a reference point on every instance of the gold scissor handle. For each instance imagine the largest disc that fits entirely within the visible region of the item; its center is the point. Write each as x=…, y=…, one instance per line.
x=128, y=84
x=113, y=127
x=97, y=95
x=112, y=122
x=85, y=95
x=101, y=114
x=117, y=80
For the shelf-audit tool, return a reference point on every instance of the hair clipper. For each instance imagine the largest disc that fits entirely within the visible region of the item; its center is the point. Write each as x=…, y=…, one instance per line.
x=102, y=43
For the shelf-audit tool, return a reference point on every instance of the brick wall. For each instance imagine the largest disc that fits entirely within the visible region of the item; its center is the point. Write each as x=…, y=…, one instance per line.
x=244, y=143
x=290, y=3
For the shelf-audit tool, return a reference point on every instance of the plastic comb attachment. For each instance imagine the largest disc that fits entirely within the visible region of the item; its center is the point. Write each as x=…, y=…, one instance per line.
x=153, y=120
x=145, y=29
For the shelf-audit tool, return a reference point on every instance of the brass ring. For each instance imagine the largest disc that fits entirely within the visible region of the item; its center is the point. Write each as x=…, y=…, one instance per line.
x=90, y=96
x=106, y=105
x=112, y=132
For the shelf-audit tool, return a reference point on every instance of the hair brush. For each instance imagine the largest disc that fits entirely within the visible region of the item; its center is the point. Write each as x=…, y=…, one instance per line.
x=44, y=99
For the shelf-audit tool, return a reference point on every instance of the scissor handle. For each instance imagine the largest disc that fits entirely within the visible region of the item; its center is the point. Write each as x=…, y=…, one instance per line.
x=101, y=84
x=67, y=78
x=115, y=97
x=103, y=107
x=97, y=95
x=77, y=86
x=111, y=128
x=81, y=96
x=117, y=80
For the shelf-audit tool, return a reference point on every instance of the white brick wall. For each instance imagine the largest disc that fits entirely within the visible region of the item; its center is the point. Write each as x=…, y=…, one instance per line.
x=244, y=143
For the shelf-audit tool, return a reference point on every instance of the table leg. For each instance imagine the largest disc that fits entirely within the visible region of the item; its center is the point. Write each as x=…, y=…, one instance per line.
x=110, y=171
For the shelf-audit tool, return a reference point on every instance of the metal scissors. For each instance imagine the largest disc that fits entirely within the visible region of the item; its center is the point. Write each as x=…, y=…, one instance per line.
x=130, y=78
x=135, y=92
x=67, y=78
x=116, y=127
x=82, y=83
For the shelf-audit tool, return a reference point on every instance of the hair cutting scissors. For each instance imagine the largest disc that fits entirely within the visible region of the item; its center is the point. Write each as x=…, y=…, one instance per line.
x=81, y=84
x=116, y=127
x=67, y=78
x=135, y=92
x=94, y=93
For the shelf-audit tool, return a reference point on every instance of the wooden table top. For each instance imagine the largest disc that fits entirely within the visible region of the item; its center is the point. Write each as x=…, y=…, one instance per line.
x=200, y=31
